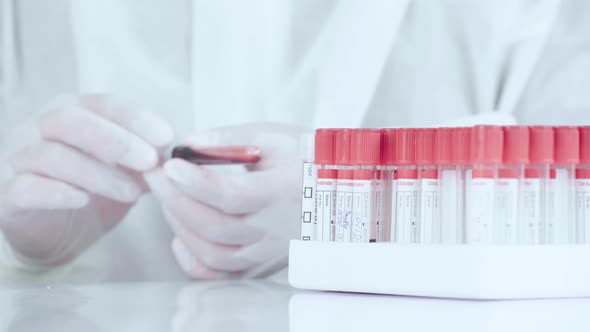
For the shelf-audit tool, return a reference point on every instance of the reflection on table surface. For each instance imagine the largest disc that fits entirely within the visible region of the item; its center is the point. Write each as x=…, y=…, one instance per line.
x=267, y=306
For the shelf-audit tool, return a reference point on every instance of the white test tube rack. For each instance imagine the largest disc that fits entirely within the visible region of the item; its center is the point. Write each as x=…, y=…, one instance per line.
x=486, y=272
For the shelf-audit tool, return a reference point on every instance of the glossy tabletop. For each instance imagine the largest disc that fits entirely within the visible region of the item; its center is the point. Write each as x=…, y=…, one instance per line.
x=258, y=305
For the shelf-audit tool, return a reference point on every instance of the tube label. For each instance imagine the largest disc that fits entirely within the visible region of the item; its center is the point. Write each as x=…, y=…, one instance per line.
x=326, y=205
x=531, y=211
x=308, y=208
x=344, y=206
x=363, y=221
x=506, y=213
x=480, y=210
x=393, y=206
x=583, y=209
x=379, y=187
x=406, y=196
x=429, y=211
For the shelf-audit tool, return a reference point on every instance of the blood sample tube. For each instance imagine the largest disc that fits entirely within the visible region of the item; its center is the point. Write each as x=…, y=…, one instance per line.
x=344, y=189
x=561, y=217
x=511, y=176
x=325, y=212
x=535, y=189
x=486, y=157
x=405, y=187
x=388, y=166
x=447, y=175
x=583, y=187
x=462, y=160
x=365, y=155
x=428, y=188
x=309, y=183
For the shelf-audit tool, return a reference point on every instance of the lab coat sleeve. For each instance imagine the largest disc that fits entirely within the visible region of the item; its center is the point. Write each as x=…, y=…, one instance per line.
x=558, y=91
x=489, y=118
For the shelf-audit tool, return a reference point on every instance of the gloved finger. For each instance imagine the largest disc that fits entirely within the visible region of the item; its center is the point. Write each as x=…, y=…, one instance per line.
x=193, y=267
x=231, y=193
x=145, y=125
x=213, y=256
x=202, y=220
x=63, y=163
x=33, y=192
x=98, y=137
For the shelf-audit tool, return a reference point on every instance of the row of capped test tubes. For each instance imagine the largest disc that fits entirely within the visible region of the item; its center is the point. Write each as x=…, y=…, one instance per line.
x=475, y=185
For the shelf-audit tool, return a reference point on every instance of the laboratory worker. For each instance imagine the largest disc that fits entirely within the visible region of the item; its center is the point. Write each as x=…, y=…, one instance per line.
x=94, y=93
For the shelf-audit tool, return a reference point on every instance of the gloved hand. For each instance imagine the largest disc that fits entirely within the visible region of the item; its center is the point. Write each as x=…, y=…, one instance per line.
x=80, y=177
x=230, y=224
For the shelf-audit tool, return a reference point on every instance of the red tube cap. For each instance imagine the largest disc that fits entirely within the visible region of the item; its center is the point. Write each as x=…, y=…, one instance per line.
x=486, y=145
x=461, y=145
x=541, y=144
x=342, y=156
x=405, y=147
x=567, y=145
x=444, y=146
x=516, y=145
x=584, y=145
x=325, y=140
x=425, y=146
x=366, y=147
x=388, y=146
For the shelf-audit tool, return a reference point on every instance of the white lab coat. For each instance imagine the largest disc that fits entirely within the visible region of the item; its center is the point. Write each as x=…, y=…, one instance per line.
x=344, y=63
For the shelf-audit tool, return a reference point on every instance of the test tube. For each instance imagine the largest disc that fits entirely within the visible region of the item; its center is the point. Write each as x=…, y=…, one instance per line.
x=535, y=189
x=405, y=187
x=325, y=212
x=365, y=155
x=561, y=217
x=344, y=189
x=308, y=187
x=486, y=157
x=428, y=188
x=387, y=174
x=511, y=176
x=447, y=175
x=583, y=187
x=462, y=160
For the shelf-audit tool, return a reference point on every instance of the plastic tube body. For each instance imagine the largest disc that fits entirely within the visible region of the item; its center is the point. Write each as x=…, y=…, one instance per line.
x=583, y=202
x=582, y=186
x=448, y=211
x=486, y=157
x=561, y=225
x=364, y=222
x=535, y=193
x=381, y=211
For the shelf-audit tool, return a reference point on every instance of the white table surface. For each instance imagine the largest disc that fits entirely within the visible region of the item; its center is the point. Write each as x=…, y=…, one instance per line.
x=268, y=306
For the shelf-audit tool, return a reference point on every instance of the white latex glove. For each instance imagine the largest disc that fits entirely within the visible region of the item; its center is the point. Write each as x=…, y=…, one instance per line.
x=234, y=224
x=79, y=178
